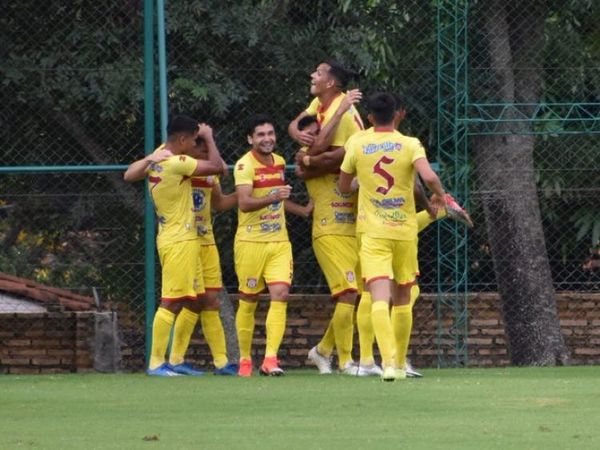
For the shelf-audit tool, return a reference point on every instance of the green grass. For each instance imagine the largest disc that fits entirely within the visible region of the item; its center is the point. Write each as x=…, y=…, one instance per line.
x=529, y=408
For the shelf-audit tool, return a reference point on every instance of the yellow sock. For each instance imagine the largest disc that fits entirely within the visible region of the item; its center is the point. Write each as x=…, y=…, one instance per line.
x=414, y=295
x=275, y=325
x=182, y=332
x=382, y=325
x=366, y=337
x=325, y=347
x=424, y=219
x=244, y=325
x=402, y=324
x=161, y=331
x=343, y=330
x=212, y=328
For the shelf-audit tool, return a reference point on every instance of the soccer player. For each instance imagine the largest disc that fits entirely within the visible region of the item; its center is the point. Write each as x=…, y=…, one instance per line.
x=334, y=220
x=384, y=163
x=206, y=190
x=424, y=218
x=262, y=250
x=178, y=247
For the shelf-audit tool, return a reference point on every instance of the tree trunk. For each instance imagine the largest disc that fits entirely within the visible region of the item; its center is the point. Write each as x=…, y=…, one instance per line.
x=505, y=171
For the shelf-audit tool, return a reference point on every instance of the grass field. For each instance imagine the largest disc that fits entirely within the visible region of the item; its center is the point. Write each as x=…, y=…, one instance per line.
x=529, y=408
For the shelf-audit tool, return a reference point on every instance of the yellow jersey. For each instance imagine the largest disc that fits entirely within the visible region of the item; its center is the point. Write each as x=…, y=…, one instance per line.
x=383, y=163
x=334, y=213
x=266, y=224
x=201, y=198
x=171, y=191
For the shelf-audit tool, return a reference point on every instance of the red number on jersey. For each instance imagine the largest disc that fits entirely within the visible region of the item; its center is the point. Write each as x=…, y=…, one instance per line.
x=384, y=174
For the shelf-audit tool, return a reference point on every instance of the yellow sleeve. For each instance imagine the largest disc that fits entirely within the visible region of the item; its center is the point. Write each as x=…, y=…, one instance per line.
x=349, y=162
x=418, y=151
x=313, y=108
x=182, y=165
x=243, y=172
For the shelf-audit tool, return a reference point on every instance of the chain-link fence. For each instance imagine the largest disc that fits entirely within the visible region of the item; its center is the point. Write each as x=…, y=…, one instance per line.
x=72, y=94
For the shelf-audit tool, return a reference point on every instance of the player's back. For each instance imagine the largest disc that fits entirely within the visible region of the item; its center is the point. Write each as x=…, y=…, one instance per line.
x=383, y=160
x=171, y=191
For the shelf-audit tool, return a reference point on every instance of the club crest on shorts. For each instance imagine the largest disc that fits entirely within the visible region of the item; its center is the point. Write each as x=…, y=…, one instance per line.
x=350, y=276
x=251, y=283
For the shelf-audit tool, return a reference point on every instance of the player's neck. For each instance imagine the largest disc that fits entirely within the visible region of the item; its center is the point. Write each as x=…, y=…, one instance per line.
x=384, y=128
x=327, y=97
x=173, y=148
x=264, y=159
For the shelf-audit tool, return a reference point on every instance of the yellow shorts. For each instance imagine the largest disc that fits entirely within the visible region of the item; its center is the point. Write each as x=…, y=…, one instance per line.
x=388, y=258
x=339, y=261
x=211, y=267
x=257, y=263
x=181, y=271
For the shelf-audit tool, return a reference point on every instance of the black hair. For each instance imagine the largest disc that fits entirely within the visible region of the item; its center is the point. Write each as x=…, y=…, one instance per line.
x=306, y=121
x=400, y=101
x=182, y=124
x=382, y=106
x=257, y=120
x=342, y=75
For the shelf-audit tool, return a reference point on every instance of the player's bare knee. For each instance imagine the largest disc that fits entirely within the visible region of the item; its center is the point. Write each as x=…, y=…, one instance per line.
x=348, y=297
x=210, y=302
x=279, y=292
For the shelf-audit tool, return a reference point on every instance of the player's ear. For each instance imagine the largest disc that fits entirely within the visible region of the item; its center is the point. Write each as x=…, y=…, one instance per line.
x=249, y=139
x=370, y=119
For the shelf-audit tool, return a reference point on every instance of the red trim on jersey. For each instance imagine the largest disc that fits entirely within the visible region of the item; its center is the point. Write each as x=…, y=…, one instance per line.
x=269, y=170
x=202, y=183
x=383, y=277
x=178, y=299
x=410, y=283
x=247, y=294
x=213, y=288
x=345, y=291
x=268, y=183
x=322, y=109
x=383, y=129
x=152, y=179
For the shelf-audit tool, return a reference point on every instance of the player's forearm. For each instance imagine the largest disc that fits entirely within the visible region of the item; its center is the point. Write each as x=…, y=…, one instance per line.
x=325, y=137
x=137, y=170
x=225, y=202
x=296, y=209
x=345, y=182
x=251, y=204
x=420, y=196
x=435, y=185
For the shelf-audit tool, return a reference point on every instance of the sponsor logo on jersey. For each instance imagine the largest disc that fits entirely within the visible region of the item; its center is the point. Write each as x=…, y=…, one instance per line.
x=381, y=147
x=389, y=203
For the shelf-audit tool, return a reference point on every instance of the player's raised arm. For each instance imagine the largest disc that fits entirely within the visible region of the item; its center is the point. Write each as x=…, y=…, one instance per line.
x=213, y=164
x=325, y=137
x=137, y=170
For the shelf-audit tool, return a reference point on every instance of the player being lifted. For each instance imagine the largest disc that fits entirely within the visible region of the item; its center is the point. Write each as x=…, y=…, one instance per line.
x=334, y=220
x=384, y=163
x=170, y=187
x=262, y=250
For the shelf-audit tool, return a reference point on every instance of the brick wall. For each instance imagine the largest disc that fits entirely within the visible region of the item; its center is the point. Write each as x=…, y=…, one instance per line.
x=60, y=342
x=308, y=316
x=46, y=342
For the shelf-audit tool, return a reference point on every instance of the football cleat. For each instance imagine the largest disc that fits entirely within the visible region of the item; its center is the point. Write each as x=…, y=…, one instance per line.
x=457, y=212
x=227, y=369
x=323, y=363
x=186, y=369
x=270, y=367
x=369, y=370
x=350, y=368
x=245, y=368
x=164, y=370
x=410, y=371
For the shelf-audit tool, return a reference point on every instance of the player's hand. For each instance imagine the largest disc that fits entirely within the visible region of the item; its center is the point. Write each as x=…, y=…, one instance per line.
x=354, y=184
x=299, y=171
x=283, y=192
x=205, y=131
x=431, y=210
x=437, y=202
x=298, y=158
x=304, y=137
x=308, y=209
x=352, y=97
x=159, y=156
